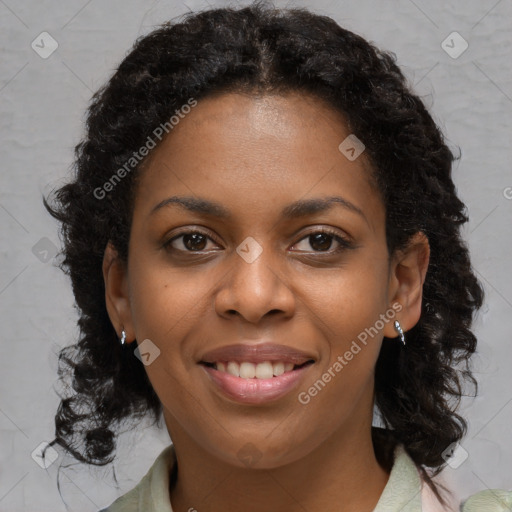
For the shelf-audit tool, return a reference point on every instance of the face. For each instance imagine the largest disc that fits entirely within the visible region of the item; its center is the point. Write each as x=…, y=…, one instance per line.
x=251, y=270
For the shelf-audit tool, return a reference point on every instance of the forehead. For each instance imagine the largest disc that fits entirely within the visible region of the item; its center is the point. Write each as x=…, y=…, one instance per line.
x=257, y=150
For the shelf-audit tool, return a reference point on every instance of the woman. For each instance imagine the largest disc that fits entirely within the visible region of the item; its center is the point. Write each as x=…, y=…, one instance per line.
x=263, y=238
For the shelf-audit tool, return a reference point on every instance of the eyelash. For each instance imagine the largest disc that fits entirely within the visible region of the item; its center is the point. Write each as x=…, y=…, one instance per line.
x=343, y=242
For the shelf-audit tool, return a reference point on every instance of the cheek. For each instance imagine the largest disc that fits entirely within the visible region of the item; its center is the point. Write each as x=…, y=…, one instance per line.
x=350, y=299
x=349, y=304
x=165, y=302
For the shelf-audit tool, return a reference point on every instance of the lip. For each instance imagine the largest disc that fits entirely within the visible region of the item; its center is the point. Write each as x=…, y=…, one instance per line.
x=259, y=353
x=255, y=391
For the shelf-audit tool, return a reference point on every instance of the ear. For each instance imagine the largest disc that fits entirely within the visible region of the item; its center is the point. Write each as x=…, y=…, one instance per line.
x=116, y=292
x=408, y=269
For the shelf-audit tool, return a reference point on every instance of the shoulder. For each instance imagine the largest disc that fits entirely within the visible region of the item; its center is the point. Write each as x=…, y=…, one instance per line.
x=394, y=456
x=151, y=494
x=490, y=500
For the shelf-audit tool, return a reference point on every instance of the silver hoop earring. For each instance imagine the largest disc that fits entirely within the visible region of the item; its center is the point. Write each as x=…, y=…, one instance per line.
x=398, y=327
x=123, y=337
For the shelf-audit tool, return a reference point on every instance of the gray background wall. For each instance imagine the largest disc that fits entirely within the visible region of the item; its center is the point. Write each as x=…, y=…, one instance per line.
x=42, y=103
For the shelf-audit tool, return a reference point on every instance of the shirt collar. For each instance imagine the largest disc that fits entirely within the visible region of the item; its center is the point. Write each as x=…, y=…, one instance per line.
x=402, y=491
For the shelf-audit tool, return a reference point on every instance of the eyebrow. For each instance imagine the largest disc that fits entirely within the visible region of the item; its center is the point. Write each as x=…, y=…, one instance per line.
x=300, y=208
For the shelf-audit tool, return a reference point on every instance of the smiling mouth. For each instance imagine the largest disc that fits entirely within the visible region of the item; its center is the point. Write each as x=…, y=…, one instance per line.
x=263, y=370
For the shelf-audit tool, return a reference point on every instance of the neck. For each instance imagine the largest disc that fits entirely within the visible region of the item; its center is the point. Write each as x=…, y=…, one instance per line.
x=342, y=470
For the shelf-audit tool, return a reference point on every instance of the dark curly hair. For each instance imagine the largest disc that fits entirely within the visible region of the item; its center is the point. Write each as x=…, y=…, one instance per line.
x=261, y=49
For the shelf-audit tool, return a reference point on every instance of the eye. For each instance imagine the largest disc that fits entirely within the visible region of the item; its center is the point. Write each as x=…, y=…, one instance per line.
x=321, y=241
x=190, y=241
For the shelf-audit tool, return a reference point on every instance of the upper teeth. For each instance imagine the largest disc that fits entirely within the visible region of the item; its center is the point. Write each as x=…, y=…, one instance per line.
x=246, y=370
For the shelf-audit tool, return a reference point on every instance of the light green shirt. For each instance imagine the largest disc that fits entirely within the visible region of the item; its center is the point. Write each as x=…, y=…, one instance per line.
x=404, y=491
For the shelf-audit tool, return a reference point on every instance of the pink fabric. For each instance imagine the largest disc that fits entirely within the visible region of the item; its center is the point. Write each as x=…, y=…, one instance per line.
x=430, y=503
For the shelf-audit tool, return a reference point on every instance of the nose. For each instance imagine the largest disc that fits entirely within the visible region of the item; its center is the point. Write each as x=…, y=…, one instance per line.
x=255, y=289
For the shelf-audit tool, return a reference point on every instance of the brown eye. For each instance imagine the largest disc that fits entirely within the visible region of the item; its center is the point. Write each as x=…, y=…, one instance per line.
x=194, y=241
x=190, y=241
x=321, y=241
